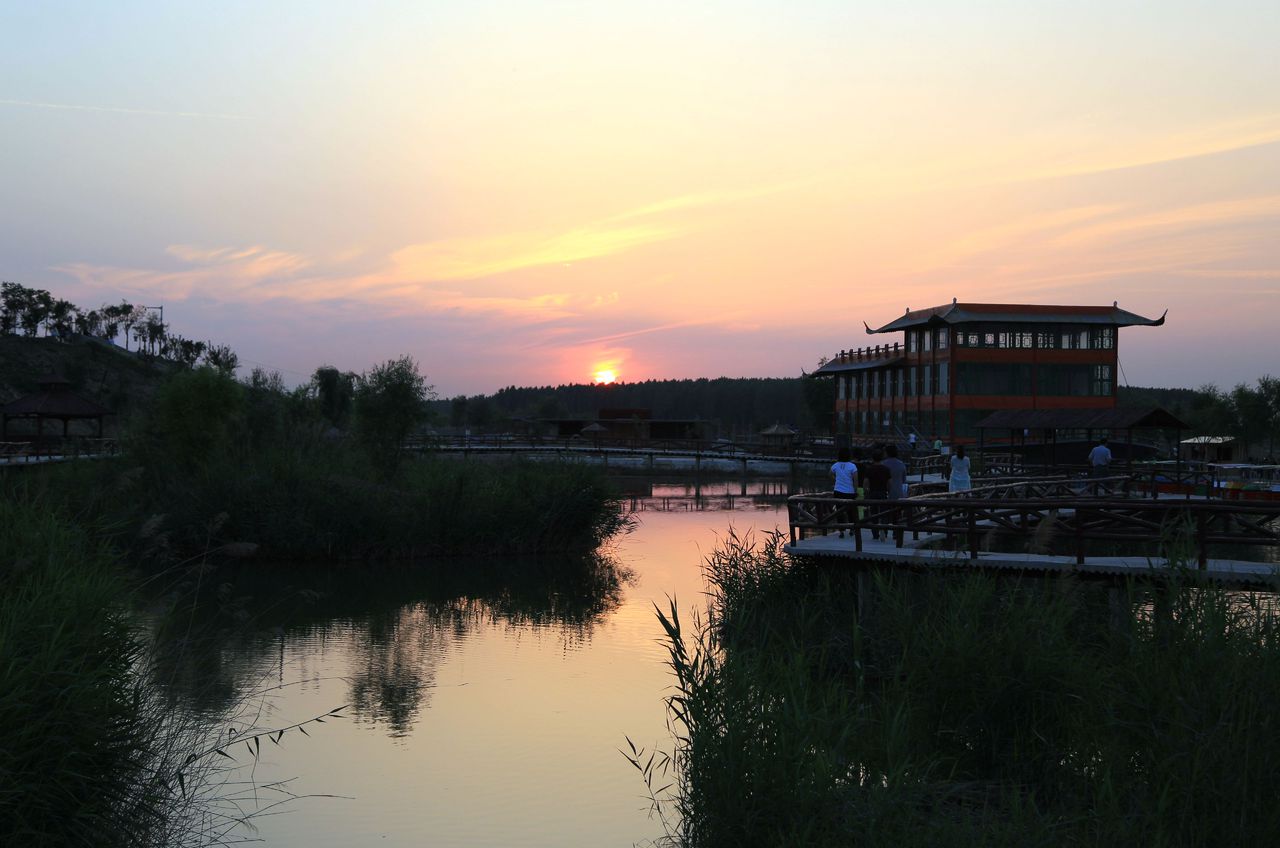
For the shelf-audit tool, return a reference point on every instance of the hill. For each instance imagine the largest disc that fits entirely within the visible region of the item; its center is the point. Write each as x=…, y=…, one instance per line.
x=98, y=370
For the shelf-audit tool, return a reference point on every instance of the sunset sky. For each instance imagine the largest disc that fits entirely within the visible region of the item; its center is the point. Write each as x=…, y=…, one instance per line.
x=530, y=192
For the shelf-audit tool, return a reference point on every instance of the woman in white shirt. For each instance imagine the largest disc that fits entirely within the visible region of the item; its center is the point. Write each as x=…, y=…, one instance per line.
x=959, y=479
x=846, y=485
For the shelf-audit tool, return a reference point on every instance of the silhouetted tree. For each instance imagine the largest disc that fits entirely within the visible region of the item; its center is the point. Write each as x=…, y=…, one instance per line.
x=334, y=391
x=390, y=403
x=221, y=358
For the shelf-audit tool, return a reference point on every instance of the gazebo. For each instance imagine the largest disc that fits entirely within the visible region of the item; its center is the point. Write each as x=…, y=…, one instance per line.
x=55, y=401
x=778, y=437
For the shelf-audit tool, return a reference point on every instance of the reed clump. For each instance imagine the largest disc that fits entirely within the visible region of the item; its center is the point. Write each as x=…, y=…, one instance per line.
x=218, y=463
x=813, y=707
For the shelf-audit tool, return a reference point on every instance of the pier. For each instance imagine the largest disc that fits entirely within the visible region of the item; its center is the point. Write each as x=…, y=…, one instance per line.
x=1052, y=532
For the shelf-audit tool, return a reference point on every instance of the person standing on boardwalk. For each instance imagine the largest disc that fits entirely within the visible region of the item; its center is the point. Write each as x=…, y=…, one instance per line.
x=937, y=443
x=1099, y=458
x=876, y=478
x=911, y=443
x=958, y=481
x=897, y=473
x=846, y=481
x=897, y=479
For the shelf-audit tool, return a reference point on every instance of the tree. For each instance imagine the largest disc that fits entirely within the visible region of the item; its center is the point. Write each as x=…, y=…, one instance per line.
x=458, y=411
x=60, y=317
x=390, y=402
x=221, y=358
x=334, y=391
x=154, y=331
x=196, y=415
x=1269, y=390
x=184, y=351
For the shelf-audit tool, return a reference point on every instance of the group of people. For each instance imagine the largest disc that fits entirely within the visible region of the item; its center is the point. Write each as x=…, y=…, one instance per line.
x=883, y=479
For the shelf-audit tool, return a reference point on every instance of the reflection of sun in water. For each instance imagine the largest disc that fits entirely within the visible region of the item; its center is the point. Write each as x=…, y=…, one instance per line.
x=606, y=375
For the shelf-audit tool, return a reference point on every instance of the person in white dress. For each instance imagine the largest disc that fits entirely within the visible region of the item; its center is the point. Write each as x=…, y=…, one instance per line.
x=958, y=480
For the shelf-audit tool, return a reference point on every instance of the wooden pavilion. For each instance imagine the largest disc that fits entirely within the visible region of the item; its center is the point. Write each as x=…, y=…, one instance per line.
x=55, y=401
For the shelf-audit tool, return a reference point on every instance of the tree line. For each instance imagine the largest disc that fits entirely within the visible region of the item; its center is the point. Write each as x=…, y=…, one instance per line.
x=739, y=405
x=34, y=312
x=1249, y=413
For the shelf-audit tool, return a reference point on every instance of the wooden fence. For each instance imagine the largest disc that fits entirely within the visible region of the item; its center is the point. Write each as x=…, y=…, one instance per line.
x=1200, y=524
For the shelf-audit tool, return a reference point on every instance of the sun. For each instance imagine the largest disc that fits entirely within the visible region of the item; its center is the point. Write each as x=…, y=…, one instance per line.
x=606, y=375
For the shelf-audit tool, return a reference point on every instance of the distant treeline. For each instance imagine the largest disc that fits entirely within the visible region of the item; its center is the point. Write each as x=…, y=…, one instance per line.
x=740, y=405
x=1249, y=413
x=748, y=404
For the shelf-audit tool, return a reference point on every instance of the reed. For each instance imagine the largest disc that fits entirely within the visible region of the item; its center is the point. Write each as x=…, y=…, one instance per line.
x=813, y=707
x=93, y=750
x=328, y=502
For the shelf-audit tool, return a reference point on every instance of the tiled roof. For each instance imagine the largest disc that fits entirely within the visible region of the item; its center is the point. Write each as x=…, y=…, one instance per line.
x=1017, y=313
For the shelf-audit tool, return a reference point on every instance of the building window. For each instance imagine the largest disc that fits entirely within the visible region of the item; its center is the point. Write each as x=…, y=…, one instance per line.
x=1075, y=339
x=911, y=381
x=911, y=341
x=926, y=341
x=991, y=378
x=988, y=339
x=1046, y=340
x=961, y=339
x=1101, y=384
x=1075, y=380
x=1104, y=338
x=942, y=339
x=944, y=382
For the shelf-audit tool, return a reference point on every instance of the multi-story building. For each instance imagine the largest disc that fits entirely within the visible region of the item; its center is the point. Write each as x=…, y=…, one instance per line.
x=958, y=363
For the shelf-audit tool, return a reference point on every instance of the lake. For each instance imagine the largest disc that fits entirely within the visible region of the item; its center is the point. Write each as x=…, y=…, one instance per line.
x=488, y=700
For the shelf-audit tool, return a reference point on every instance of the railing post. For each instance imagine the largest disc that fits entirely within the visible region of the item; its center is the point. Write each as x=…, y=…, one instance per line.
x=973, y=534
x=1080, y=515
x=1202, y=544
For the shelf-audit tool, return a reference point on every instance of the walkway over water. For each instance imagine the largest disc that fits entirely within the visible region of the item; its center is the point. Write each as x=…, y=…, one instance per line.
x=1051, y=534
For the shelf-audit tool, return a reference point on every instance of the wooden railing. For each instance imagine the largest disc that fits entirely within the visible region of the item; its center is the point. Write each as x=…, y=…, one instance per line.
x=57, y=449
x=1202, y=524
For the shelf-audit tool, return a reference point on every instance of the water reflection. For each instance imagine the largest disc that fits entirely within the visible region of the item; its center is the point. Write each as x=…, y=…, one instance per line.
x=490, y=698
x=395, y=623
x=642, y=494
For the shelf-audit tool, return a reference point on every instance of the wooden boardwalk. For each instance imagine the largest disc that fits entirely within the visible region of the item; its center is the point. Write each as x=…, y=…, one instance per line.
x=1054, y=533
x=921, y=555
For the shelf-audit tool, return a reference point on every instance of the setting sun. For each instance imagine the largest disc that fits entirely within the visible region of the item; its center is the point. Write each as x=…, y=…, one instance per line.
x=606, y=375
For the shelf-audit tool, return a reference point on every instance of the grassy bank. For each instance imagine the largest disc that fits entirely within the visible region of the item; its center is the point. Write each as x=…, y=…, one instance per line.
x=969, y=710
x=216, y=463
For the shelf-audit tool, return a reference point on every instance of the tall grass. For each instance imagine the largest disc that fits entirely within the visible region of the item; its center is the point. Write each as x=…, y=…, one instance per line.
x=74, y=740
x=327, y=501
x=215, y=462
x=92, y=751
x=816, y=707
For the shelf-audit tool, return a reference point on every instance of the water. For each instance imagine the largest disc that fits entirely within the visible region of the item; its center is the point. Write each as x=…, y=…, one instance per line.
x=489, y=700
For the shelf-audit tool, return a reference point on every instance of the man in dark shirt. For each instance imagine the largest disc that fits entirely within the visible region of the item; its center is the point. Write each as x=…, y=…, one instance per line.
x=876, y=479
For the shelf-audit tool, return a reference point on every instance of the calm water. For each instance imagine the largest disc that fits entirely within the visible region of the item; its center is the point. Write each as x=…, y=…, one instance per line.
x=489, y=699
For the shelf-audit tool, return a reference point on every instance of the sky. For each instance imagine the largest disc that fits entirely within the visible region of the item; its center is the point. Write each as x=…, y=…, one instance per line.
x=528, y=193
